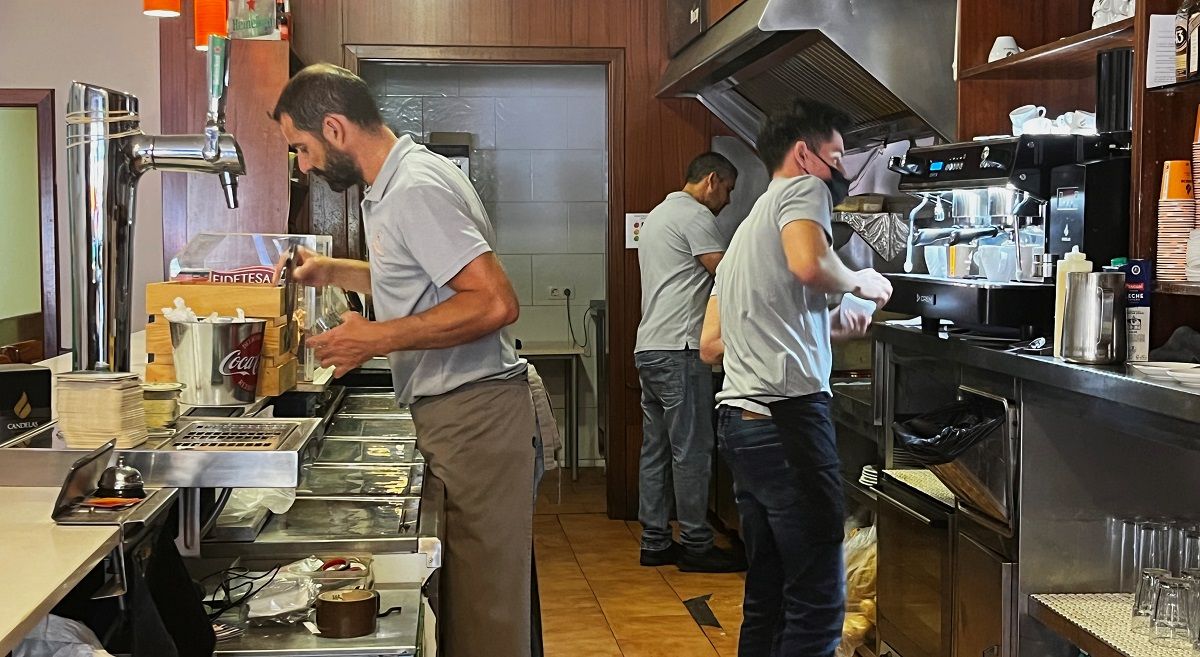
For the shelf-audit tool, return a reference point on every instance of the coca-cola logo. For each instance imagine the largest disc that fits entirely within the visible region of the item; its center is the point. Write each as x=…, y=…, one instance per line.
x=241, y=364
x=253, y=275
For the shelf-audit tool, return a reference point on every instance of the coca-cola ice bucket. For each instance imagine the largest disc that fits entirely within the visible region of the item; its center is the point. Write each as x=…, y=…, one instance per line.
x=217, y=361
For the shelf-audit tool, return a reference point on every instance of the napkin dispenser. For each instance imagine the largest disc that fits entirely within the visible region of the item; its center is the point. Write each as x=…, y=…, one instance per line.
x=24, y=399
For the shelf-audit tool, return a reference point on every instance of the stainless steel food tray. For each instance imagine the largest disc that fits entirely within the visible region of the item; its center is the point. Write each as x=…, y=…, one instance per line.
x=372, y=427
x=353, y=450
x=313, y=517
x=372, y=404
x=367, y=480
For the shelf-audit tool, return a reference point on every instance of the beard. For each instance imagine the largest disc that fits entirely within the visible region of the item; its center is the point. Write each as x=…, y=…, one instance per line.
x=340, y=172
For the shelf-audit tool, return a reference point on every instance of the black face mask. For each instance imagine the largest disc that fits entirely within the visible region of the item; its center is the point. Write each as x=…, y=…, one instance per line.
x=838, y=184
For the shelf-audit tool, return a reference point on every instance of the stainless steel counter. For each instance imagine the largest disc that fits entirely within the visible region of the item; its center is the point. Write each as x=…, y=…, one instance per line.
x=1119, y=384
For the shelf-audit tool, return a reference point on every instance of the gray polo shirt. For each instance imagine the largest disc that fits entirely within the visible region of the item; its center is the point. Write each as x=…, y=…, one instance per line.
x=675, y=286
x=775, y=331
x=424, y=224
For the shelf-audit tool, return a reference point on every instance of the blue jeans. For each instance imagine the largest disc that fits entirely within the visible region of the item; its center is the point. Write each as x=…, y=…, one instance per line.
x=789, y=496
x=677, y=447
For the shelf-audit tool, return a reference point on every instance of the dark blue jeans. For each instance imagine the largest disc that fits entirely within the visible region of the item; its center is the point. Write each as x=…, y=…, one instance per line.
x=789, y=497
x=677, y=447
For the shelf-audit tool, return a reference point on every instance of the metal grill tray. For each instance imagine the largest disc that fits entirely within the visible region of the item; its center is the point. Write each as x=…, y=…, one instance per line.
x=351, y=450
x=319, y=517
x=373, y=404
x=358, y=427
x=227, y=436
x=323, y=480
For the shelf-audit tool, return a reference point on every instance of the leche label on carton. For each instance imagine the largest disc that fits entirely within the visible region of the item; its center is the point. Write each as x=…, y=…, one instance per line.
x=1139, y=277
x=24, y=399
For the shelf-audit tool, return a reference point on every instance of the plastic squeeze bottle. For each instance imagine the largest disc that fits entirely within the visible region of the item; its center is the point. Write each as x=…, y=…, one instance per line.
x=1075, y=261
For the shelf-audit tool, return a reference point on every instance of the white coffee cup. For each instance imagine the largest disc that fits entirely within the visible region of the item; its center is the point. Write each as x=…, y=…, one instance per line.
x=1023, y=114
x=1039, y=126
x=997, y=262
x=1083, y=123
x=1005, y=46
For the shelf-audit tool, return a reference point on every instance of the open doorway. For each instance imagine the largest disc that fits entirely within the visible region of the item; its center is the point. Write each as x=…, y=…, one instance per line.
x=534, y=137
x=29, y=329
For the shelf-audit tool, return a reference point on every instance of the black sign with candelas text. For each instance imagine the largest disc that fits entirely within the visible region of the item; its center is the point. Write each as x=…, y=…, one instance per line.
x=24, y=399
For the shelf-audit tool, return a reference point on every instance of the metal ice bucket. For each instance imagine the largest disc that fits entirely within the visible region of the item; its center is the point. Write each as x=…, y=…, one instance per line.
x=217, y=361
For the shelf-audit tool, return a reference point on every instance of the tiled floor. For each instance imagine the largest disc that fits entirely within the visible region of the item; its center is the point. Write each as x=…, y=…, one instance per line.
x=596, y=599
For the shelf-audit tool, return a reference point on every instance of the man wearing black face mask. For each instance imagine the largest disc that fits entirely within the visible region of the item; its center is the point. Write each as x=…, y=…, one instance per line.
x=768, y=322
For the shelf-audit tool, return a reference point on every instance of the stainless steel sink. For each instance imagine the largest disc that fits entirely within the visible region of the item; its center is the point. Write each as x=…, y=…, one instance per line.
x=164, y=463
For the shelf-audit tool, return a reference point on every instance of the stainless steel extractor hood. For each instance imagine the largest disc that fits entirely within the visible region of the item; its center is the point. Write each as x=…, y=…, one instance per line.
x=886, y=63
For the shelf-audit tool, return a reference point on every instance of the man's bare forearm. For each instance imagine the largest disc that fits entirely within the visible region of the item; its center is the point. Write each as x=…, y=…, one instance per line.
x=461, y=319
x=349, y=274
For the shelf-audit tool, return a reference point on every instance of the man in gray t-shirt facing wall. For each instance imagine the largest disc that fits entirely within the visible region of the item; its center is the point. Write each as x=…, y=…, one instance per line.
x=678, y=252
x=441, y=302
x=769, y=323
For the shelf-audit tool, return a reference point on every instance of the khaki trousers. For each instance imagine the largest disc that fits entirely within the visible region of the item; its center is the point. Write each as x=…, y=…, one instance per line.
x=479, y=440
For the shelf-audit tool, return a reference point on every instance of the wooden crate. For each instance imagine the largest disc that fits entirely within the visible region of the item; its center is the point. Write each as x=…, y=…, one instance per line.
x=160, y=372
x=277, y=379
x=223, y=298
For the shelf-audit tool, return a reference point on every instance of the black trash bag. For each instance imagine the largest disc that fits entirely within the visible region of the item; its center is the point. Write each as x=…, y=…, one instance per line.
x=941, y=436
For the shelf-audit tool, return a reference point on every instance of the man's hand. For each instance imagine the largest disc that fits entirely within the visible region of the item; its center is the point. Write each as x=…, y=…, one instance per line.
x=849, y=322
x=872, y=286
x=309, y=268
x=347, y=346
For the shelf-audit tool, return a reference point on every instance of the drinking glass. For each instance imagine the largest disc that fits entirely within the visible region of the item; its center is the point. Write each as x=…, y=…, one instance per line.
x=1123, y=535
x=1187, y=547
x=1154, y=541
x=1170, y=621
x=1144, y=598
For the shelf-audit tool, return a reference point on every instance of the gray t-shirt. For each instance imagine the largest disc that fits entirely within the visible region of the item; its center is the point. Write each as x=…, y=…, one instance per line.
x=424, y=224
x=776, y=331
x=675, y=286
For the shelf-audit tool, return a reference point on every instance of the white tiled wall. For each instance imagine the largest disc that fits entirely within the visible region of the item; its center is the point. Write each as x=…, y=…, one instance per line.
x=540, y=164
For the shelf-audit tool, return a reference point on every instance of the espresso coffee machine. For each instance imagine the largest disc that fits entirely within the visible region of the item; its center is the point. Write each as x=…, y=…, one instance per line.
x=1004, y=211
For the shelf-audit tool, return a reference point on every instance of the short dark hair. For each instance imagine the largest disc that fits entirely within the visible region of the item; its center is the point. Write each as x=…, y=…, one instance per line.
x=810, y=121
x=711, y=162
x=323, y=89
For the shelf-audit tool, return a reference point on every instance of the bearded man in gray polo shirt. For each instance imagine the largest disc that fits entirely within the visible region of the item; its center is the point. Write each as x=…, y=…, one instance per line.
x=442, y=300
x=678, y=252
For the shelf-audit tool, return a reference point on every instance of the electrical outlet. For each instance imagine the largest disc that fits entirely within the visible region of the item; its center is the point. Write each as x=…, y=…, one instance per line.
x=557, y=293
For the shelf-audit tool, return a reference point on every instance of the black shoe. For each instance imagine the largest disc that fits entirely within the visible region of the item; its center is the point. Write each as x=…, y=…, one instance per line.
x=664, y=557
x=712, y=560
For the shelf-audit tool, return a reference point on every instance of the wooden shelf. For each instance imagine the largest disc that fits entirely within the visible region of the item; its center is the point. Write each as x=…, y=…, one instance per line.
x=1184, y=288
x=1073, y=57
x=1096, y=623
x=1192, y=84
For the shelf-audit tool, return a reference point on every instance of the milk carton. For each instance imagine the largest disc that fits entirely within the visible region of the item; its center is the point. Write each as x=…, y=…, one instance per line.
x=1139, y=278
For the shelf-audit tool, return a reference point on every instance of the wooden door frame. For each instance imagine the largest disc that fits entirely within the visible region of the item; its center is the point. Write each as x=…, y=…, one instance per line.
x=42, y=101
x=619, y=454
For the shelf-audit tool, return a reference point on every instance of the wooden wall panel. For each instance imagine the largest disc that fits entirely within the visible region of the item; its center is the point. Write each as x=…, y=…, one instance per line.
x=659, y=138
x=317, y=31
x=718, y=9
x=193, y=204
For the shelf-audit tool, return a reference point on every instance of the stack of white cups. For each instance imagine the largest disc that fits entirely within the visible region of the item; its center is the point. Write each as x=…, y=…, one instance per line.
x=1193, y=256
